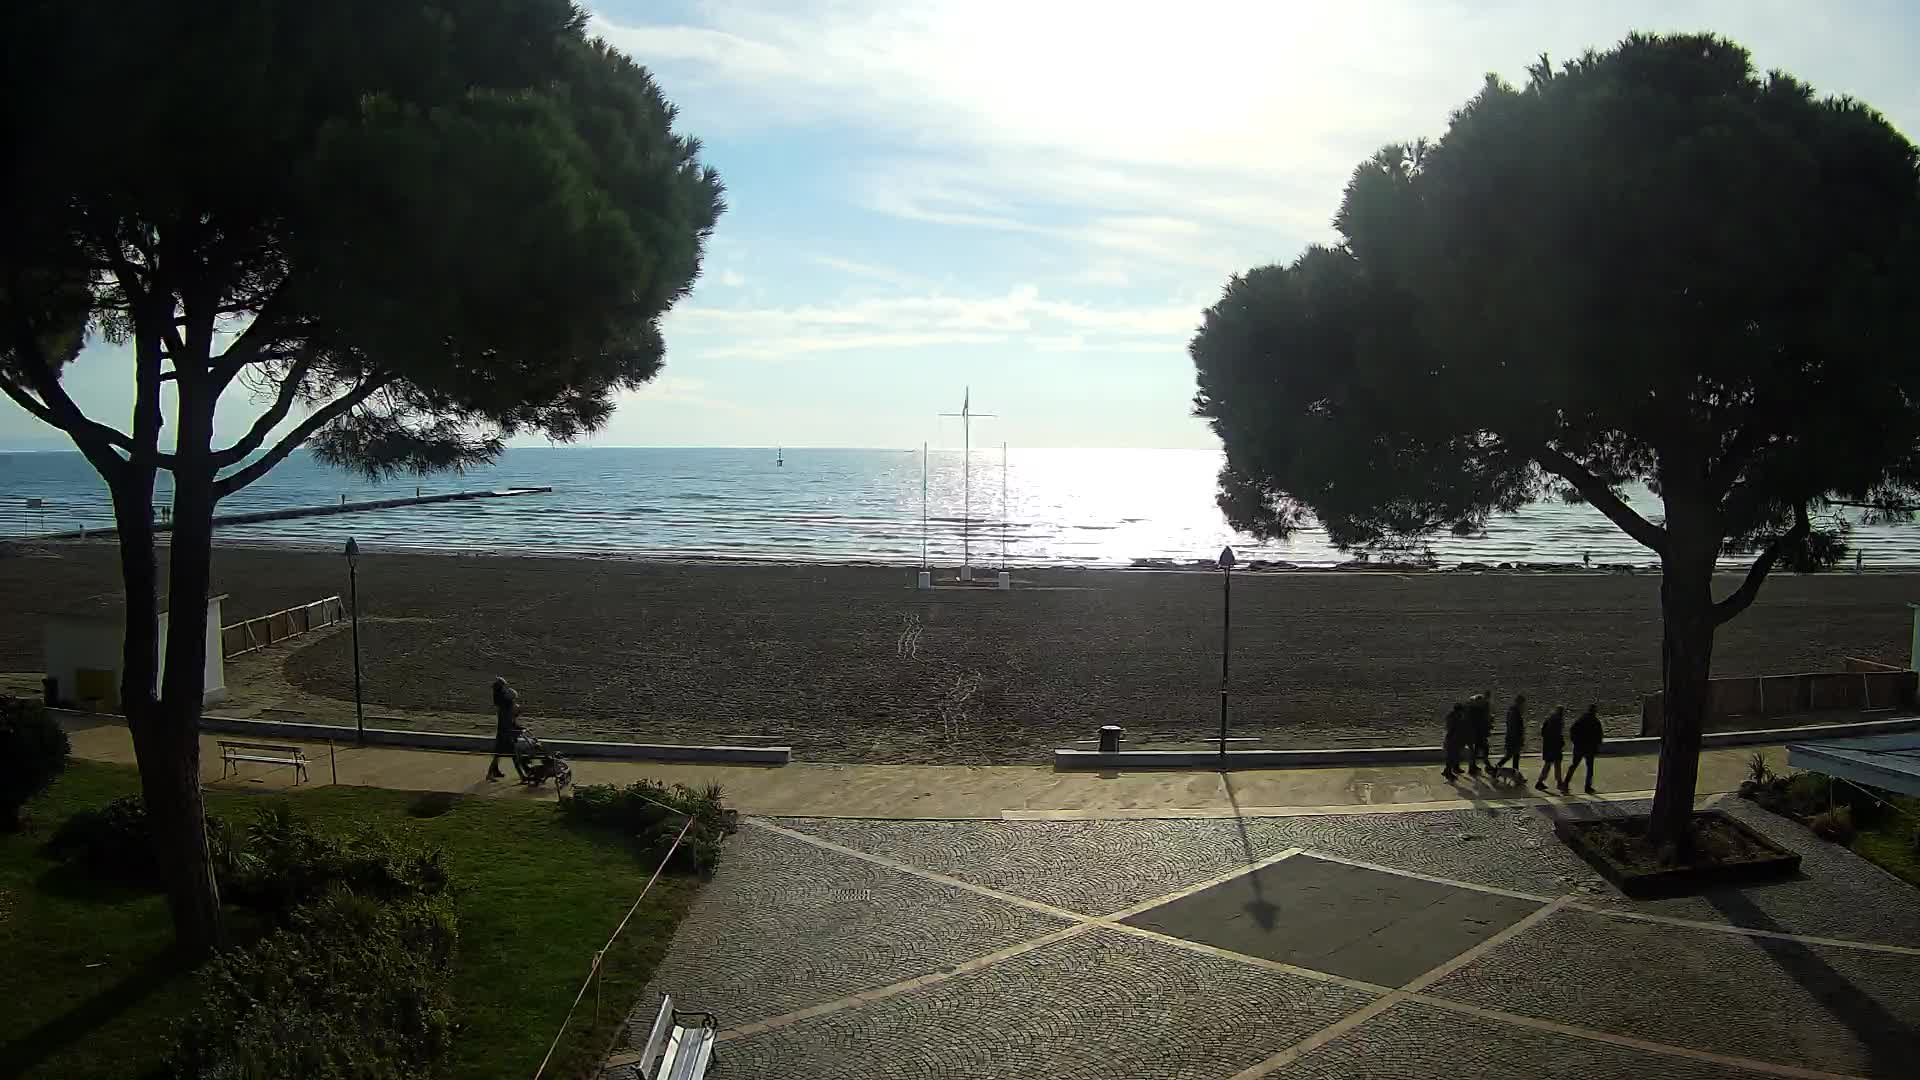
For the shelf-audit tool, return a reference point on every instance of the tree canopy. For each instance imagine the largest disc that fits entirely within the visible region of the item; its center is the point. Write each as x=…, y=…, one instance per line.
x=423, y=224
x=405, y=228
x=1648, y=265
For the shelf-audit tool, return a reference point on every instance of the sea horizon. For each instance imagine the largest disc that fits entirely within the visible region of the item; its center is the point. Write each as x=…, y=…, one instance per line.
x=1060, y=507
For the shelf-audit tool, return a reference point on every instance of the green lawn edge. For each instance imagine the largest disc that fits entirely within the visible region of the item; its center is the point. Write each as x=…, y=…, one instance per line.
x=93, y=991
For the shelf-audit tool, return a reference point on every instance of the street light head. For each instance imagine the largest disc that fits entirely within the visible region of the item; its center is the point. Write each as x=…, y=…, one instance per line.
x=1226, y=560
x=353, y=552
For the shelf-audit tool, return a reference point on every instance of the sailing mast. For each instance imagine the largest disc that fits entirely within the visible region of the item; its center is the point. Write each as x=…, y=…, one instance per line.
x=966, y=415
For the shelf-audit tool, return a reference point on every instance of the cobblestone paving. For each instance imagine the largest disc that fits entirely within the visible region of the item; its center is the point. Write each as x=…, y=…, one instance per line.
x=1098, y=1006
x=1415, y=1040
x=785, y=925
x=1095, y=867
x=1837, y=895
x=1505, y=847
x=1836, y=1009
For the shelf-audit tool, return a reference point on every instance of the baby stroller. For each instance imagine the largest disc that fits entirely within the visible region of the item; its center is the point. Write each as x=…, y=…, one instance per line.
x=537, y=764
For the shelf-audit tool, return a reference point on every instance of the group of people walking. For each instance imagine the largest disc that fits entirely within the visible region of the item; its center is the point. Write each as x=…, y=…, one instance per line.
x=1470, y=732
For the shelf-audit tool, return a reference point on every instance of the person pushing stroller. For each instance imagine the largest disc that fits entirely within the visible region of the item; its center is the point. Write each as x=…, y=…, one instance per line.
x=506, y=729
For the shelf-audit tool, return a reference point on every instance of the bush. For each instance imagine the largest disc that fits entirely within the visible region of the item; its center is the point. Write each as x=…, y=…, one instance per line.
x=1758, y=771
x=351, y=989
x=115, y=843
x=651, y=815
x=287, y=862
x=1835, y=824
x=33, y=753
x=112, y=842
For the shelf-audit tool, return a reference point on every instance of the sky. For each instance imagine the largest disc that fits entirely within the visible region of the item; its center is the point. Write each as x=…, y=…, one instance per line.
x=1038, y=199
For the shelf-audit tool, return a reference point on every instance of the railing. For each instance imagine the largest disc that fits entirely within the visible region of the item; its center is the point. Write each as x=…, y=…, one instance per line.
x=245, y=637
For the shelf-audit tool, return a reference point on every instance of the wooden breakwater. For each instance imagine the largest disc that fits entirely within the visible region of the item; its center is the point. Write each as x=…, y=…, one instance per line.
x=287, y=513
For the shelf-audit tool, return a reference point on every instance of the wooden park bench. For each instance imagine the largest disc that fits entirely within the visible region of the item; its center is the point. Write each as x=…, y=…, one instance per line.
x=233, y=753
x=680, y=1047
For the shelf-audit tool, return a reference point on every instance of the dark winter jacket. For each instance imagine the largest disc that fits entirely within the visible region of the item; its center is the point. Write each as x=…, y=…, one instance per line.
x=1553, y=734
x=1586, y=732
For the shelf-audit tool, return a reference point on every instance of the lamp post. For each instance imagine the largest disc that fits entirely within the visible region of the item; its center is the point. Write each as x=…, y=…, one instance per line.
x=353, y=598
x=1226, y=640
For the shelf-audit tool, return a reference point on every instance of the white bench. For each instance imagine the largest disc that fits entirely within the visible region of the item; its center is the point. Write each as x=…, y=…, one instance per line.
x=233, y=753
x=678, y=1050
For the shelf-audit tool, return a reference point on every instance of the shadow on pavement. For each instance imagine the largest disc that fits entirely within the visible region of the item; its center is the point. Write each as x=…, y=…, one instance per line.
x=1264, y=911
x=1888, y=1039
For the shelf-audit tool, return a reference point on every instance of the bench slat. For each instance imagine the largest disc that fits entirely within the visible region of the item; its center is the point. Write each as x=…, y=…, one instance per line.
x=688, y=1053
x=262, y=746
x=661, y=1026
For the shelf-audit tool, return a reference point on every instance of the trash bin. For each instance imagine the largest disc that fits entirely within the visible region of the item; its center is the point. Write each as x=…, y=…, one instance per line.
x=1110, y=739
x=50, y=691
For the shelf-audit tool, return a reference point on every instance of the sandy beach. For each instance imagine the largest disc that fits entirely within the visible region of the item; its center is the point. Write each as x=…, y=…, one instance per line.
x=849, y=663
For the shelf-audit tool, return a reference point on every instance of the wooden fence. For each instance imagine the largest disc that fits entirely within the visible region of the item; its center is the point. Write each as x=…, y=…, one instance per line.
x=1866, y=686
x=244, y=637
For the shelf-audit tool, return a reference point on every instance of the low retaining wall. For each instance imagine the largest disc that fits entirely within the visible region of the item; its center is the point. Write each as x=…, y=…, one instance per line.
x=483, y=744
x=1067, y=758
x=1861, y=687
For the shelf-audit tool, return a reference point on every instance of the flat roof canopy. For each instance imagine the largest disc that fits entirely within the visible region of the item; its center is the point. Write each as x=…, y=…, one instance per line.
x=1889, y=762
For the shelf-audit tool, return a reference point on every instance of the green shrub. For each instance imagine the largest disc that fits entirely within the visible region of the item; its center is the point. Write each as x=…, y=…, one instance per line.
x=352, y=989
x=651, y=815
x=287, y=862
x=1835, y=824
x=115, y=842
x=33, y=753
x=1758, y=771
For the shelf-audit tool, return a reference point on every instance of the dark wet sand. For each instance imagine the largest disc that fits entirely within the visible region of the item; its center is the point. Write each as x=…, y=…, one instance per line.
x=849, y=663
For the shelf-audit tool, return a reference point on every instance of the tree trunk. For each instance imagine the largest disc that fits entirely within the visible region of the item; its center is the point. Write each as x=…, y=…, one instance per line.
x=179, y=822
x=1687, y=616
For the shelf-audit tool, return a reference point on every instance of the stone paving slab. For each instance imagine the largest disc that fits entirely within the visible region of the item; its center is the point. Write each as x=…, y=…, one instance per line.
x=1100, y=1005
x=1508, y=848
x=1094, y=867
x=785, y=925
x=1830, y=1008
x=1380, y=928
x=1416, y=1040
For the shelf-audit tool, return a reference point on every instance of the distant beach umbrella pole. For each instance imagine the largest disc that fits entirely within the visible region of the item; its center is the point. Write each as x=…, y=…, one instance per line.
x=353, y=598
x=1226, y=640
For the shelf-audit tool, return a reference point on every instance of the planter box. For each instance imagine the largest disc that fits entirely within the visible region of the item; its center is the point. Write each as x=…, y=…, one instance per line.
x=1775, y=863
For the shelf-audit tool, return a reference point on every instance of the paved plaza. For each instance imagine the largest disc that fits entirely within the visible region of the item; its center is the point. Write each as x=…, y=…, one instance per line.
x=1457, y=942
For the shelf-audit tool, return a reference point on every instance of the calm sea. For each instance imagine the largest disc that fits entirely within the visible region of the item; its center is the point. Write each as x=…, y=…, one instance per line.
x=1056, y=508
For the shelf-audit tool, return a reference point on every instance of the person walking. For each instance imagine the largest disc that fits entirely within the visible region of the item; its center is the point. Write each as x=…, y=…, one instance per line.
x=1455, y=739
x=1516, y=737
x=506, y=728
x=1553, y=741
x=1586, y=743
x=1480, y=712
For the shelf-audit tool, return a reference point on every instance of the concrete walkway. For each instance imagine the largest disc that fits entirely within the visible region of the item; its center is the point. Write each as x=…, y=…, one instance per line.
x=955, y=792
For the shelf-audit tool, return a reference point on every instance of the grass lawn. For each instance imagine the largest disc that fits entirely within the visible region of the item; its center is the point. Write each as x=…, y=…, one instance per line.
x=91, y=990
x=1890, y=841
